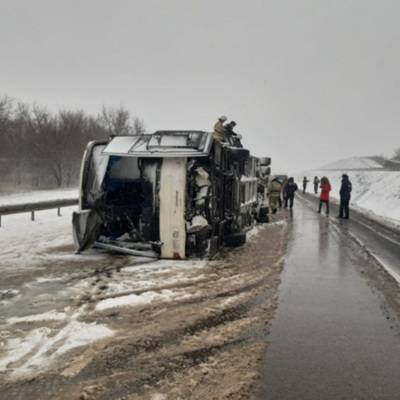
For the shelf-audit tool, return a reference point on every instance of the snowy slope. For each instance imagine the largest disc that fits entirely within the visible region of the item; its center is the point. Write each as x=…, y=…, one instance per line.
x=376, y=193
x=352, y=163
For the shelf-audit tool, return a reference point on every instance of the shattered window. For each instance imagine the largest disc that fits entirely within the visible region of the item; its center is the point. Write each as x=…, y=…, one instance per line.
x=123, y=168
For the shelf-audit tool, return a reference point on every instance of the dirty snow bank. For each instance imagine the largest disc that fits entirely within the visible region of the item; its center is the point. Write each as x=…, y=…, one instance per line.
x=47, y=316
x=134, y=299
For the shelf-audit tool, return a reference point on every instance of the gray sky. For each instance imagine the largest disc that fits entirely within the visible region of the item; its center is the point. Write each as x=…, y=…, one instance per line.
x=308, y=81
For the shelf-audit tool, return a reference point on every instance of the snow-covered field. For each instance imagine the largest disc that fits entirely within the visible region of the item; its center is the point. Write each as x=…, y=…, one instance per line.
x=24, y=243
x=353, y=163
x=376, y=193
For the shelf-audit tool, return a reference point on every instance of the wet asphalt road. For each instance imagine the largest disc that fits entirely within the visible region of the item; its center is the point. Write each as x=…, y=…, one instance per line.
x=382, y=241
x=332, y=337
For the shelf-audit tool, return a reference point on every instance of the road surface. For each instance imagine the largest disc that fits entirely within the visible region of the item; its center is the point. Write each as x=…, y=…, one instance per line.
x=382, y=241
x=336, y=334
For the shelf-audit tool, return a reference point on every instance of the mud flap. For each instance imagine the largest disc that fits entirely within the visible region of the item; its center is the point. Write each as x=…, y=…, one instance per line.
x=85, y=227
x=172, y=208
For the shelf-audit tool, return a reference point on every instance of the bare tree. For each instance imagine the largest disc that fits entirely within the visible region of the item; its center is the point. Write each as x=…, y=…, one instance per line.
x=116, y=121
x=396, y=155
x=40, y=148
x=6, y=107
x=138, y=126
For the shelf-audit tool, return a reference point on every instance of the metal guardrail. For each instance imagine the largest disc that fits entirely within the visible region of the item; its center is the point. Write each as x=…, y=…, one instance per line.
x=36, y=206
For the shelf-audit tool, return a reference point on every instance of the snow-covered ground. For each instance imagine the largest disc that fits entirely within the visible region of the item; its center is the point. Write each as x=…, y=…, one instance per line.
x=41, y=317
x=47, y=291
x=24, y=243
x=376, y=193
x=353, y=163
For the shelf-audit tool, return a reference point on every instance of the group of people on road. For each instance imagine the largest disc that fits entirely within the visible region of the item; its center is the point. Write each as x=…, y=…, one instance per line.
x=288, y=187
x=281, y=187
x=325, y=186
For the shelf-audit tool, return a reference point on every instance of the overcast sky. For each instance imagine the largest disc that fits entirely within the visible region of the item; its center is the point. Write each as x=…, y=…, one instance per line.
x=308, y=81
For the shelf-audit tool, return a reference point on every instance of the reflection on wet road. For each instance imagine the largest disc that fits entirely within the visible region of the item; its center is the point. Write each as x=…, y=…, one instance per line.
x=380, y=240
x=332, y=337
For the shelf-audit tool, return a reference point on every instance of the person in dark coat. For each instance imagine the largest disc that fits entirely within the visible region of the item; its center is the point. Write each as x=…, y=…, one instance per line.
x=316, y=184
x=290, y=190
x=232, y=136
x=345, y=194
x=324, y=196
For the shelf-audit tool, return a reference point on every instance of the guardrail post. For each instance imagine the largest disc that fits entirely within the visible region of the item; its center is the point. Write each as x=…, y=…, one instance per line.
x=0, y=221
x=32, y=215
x=59, y=211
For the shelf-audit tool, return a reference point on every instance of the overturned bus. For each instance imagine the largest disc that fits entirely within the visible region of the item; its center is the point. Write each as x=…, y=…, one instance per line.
x=170, y=194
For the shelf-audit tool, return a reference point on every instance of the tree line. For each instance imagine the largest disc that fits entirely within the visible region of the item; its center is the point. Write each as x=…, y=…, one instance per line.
x=390, y=163
x=43, y=149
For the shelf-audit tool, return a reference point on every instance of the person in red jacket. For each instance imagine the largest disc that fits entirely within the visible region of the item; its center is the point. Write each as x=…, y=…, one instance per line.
x=324, y=196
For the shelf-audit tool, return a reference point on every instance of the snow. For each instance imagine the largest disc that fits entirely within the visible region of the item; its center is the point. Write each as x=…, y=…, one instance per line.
x=38, y=195
x=134, y=299
x=77, y=334
x=352, y=164
x=46, y=243
x=47, y=316
x=376, y=193
x=8, y=293
x=24, y=242
x=40, y=347
x=153, y=277
x=17, y=348
x=160, y=265
x=254, y=231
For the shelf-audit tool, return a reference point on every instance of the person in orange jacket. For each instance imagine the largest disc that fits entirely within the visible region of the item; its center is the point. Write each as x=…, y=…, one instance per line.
x=324, y=196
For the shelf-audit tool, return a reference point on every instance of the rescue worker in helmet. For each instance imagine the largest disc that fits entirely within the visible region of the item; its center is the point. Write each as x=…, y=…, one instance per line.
x=232, y=137
x=274, y=194
x=219, y=134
